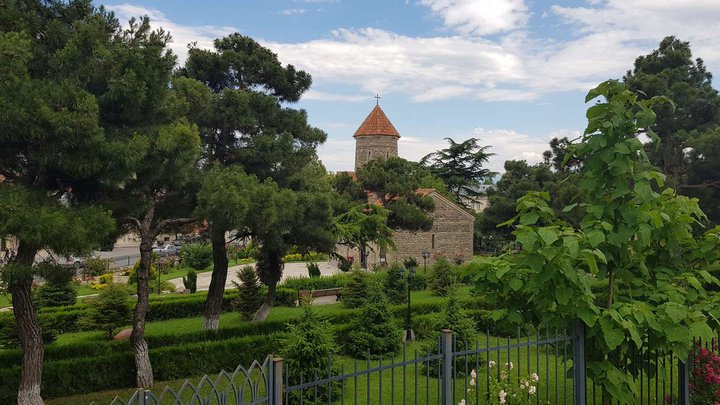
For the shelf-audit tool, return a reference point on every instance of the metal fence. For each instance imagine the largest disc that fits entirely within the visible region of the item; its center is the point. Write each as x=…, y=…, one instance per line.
x=548, y=367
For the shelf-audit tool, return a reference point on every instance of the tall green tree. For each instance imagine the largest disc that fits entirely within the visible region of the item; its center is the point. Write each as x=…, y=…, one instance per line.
x=393, y=183
x=671, y=71
x=57, y=79
x=239, y=94
x=460, y=167
x=631, y=270
x=363, y=226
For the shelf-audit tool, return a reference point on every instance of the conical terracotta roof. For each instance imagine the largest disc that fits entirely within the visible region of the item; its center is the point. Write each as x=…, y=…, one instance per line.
x=377, y=123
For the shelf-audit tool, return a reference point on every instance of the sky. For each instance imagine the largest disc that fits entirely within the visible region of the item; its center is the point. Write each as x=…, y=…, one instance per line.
x=513, y=73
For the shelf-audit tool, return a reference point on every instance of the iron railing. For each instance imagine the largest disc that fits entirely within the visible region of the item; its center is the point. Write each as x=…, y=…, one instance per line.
x=449, y=372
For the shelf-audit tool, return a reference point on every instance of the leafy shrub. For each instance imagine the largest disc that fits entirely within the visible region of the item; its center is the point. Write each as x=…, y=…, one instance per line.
x=165, y=264
x=57, y=291
x=704, y=375
x=196, y=255
x=292, y=257
x=374, y=329
x=190, y=282
x=110, y=311
x=315, y=283
x=95, y=266
x=442, y=277
x=132, y=277
x=286, y=297
x=418, y=282
x=344, y=264
x=307, y=349
x=396, y=284
x=249, y=297
x=313, y=269
x=354, y=292
x=410, y=262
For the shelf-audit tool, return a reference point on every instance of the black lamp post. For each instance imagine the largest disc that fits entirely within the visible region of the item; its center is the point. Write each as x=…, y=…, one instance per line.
x=425, y=255
x=409, y=335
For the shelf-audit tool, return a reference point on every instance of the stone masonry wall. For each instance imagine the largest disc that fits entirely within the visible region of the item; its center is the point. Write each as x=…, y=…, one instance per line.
x=452, y=232
x=370, y=147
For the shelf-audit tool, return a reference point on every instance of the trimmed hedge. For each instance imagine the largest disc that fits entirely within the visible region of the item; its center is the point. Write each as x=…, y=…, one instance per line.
x=117, y=370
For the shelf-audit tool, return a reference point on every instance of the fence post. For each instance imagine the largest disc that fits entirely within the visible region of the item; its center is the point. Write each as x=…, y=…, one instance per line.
x=142, y=397
x=579, y=370
x=275, y=383
x=447, y=355
x=683, y=383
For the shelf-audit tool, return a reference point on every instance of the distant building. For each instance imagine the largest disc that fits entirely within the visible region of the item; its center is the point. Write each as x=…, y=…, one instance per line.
x=451, y=235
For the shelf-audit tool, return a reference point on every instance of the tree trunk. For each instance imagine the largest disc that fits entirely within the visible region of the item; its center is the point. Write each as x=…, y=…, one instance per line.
x=363, y=257
x=144, y=376
x=267, y=305
x=29, y=330
x=217, y=282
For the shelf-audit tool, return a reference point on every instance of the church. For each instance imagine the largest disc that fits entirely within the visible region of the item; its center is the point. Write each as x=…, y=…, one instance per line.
x=451, y=235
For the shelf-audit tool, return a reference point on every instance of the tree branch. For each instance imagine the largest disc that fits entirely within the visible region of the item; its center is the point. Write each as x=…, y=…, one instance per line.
x=172, y=221
x=133, y=221
x=715, y=183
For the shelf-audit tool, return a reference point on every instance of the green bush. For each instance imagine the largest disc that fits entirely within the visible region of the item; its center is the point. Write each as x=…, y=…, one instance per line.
x=307, y=348
x=442, y=277
x=396, y=284
x=250, y=297
x=354, y=292
x=315, y=283
x=53, y=294
x=95, y=266
x=374, y=330
x=418, y=282
x=110, y=311
x=313, y=270
x=344, y=264
x=190, y=282
x=196, y=255
x=132, y=278
x=286, y=297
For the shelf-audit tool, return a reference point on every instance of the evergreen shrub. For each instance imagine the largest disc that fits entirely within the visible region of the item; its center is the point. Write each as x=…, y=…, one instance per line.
x=442, y=277
x=374, y=329
x=196, y=255
x=110, y=311
x=396, y=284
x=250, y=296
x=190, y=282
x=313, y=270
x=356, y=289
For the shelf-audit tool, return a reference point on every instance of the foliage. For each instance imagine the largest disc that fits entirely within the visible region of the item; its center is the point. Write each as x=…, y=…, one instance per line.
x=110, y=311
x=454, y=318
x=356, y=289
x=393, y=183
x=132, y=277
x=307, y=351
x=321, y=283
x=57, y=290
x=632, y=272
x=249, y=295
x=363, y=225
x=313, y=269
x=505, y=388
x=375, y=330
x=704, y=374
x=190, y=281
x=670, y=71
x=103, y=281
x=442, y=276
x=410, y=262
x=95, y=266
x=460, y=167
x=196, y=255
x=396, y=284
x=418, y=282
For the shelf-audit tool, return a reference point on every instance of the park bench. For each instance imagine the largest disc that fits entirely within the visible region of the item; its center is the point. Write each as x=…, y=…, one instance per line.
x=327, y=292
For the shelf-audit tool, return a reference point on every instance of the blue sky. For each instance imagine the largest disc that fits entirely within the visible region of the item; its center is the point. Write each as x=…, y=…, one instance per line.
x=510, y=72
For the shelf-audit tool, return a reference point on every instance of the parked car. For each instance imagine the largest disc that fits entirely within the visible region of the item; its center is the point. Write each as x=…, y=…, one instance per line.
x=166, y=250
x=70, y=262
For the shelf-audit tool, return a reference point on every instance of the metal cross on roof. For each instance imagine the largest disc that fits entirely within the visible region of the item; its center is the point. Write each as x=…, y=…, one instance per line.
x=377, y=99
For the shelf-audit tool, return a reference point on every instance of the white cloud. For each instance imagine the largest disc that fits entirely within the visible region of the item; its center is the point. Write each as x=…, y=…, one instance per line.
x=182, y=35
x=291, y=11
x=326, y=96
x=480, y=17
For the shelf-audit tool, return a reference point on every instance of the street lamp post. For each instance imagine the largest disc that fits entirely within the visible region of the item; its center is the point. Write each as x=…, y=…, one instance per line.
x=425, y=255
x=409, y=335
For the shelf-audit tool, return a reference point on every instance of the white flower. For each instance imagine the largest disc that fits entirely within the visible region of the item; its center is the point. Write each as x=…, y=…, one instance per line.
x=534, y=377
x=532, y=389
x=509, y=365
x=502, y=396
x=472, y=382
x=462, y=402
x=473, y=374
x=491, y=364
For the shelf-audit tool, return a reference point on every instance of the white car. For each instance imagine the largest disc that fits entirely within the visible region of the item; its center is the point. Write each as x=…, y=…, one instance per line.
x=70, y=261
x=166, y=250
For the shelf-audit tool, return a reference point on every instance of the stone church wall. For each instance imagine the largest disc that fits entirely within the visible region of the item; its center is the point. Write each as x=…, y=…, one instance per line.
x=369, y=147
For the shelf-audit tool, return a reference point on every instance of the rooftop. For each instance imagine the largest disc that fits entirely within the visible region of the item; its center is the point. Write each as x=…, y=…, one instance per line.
x=377, y=123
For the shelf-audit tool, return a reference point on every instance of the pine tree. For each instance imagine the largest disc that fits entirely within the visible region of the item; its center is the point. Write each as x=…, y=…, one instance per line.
x=355, y=291
x=442, y=277
x=374, y=330
x=110, y=311
x=396, y=284
x=249, y=295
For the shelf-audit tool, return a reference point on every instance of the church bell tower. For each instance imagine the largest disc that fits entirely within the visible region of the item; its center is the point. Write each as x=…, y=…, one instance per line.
x=376, y=138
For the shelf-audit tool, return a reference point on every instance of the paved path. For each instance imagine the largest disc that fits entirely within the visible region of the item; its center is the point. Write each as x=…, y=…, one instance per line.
x=291, y=270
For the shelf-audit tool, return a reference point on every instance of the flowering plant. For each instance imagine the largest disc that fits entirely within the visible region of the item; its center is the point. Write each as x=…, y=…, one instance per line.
x=705, y=376
x=508, y=389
